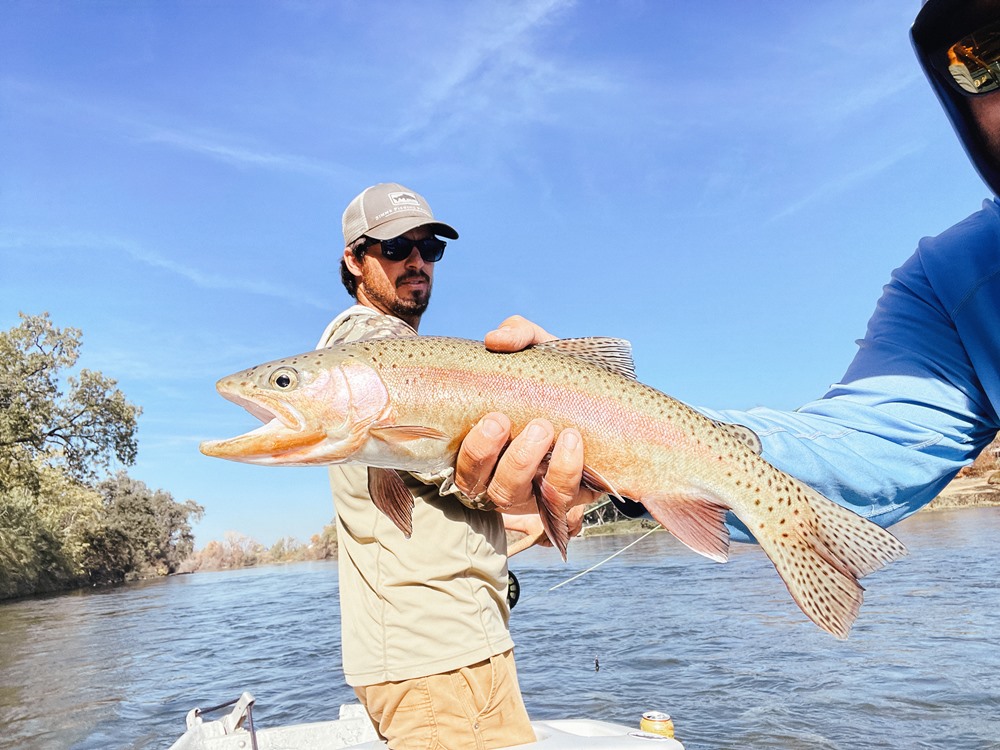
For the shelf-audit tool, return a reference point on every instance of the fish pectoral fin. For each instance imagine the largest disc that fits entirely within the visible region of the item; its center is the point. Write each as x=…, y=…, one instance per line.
x=401, y=433
x=391, y=496
x=610, y=353
x=696, y=521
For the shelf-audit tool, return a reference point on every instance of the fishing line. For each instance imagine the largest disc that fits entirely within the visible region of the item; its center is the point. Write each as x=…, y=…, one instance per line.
x=595, y=566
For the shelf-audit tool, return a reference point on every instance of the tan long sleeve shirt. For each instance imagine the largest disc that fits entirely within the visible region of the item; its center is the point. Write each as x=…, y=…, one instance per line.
x=428, y=604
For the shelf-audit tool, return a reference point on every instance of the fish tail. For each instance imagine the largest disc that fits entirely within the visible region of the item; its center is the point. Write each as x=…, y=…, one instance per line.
x=820, y=550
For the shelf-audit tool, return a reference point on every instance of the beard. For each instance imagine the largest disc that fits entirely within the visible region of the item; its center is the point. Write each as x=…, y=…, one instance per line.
x=385, y=295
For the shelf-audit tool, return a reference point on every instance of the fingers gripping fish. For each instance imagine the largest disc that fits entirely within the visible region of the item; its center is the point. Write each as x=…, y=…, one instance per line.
x=407, y=403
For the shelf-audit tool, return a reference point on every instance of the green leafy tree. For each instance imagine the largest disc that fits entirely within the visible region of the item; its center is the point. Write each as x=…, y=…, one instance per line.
x=44, y=534
x=148, y=531
x=81, y=430
x=31, y=556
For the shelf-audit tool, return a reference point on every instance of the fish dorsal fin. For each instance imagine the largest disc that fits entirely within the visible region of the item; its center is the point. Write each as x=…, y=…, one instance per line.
x=742, y=433
x=610, y=353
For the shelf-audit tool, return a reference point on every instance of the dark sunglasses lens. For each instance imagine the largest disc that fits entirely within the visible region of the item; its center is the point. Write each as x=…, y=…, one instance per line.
x=974, y=61
x=431, y=249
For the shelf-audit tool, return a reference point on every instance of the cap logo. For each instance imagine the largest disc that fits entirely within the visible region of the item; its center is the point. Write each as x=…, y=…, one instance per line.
x=403, y=199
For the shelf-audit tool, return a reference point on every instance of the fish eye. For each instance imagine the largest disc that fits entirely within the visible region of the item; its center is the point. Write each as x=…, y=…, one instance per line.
x=284, y=378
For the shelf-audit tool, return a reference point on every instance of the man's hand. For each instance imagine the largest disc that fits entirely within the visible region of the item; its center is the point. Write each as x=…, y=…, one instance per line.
x=516, y=333
x=507, y=475
x=531, y=527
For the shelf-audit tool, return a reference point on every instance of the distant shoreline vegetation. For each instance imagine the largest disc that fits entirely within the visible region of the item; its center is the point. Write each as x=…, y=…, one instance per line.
x=942, y=502
x=237, y=551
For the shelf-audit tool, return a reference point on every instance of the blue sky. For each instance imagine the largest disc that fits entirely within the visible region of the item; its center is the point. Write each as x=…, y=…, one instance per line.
x=728, y=185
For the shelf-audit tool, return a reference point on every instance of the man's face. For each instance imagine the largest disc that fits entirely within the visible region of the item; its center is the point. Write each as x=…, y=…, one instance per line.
x=400, y=288
x=985, y=110
x=964, y=35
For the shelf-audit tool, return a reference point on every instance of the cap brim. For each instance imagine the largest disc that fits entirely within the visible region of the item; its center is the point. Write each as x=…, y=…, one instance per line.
x=404, y=224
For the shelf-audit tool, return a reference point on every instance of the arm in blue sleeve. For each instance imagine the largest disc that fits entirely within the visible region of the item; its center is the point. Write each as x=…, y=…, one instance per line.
x=919, y=401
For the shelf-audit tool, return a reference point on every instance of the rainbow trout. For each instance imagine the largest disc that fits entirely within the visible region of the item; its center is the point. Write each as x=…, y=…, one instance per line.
x=407, y=403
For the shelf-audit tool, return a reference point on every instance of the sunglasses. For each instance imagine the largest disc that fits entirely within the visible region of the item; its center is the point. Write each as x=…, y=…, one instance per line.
x=431, y=249
x=972, y=64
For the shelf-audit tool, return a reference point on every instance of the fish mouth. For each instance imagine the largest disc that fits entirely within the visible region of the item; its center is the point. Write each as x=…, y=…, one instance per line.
x=284, y=430
x=268, y=410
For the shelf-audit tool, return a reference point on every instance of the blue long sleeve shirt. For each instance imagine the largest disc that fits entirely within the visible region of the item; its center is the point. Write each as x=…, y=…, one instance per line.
x=921, y=398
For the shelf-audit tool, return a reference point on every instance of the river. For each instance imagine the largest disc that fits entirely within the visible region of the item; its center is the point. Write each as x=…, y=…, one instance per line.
x=722, y=648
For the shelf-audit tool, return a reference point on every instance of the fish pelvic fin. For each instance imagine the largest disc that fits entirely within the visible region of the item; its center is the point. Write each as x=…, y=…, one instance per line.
x=552, y=511
x=820, y=557
x=697, y=522
x=391, y=496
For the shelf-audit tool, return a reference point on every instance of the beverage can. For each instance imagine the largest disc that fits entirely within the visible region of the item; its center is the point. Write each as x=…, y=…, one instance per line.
x=657, y=722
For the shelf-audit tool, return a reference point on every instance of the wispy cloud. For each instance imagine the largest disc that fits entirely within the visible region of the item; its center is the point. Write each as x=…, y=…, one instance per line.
x=217, y=144
x=494, y=75
x=244, y=156
x=848, y=181
x=12, y=239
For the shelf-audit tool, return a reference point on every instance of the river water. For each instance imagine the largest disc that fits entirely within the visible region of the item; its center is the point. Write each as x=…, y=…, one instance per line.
x=722, y=648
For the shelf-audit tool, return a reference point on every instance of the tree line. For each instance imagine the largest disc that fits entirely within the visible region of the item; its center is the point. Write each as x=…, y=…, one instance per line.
x=66, y=519
x=237, y=550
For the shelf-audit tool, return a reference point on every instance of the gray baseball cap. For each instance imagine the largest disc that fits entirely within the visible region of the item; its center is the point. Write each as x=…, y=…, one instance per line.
x=388, y=210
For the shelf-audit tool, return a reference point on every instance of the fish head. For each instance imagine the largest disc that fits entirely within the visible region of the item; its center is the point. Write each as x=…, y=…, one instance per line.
x=316, y=409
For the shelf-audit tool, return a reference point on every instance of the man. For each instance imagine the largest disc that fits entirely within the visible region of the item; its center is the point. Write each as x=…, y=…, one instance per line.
x=922, y=397
x=424, y=620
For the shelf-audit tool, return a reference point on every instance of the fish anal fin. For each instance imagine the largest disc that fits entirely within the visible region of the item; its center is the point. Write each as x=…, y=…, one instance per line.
x=610, y=353
x=696, y=521
x=391, y=496
x=402, y=433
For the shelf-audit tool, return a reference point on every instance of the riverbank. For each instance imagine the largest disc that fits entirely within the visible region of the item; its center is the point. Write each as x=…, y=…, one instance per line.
x=967, y=492
x=962, y=492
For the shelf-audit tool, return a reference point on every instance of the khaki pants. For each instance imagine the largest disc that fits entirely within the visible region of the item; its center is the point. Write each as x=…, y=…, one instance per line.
x=473, y=708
